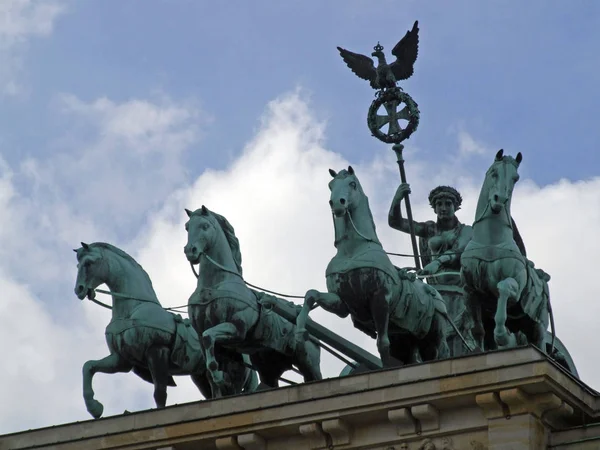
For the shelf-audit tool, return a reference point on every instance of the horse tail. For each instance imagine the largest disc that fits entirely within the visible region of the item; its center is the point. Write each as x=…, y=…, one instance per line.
x=251, y=383
x=551, y=314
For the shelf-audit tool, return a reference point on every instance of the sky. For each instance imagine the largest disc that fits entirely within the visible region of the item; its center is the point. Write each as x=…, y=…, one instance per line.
x=115, y=116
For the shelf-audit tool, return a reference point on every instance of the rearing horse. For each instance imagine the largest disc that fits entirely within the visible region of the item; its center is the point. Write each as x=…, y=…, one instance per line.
x=141, y=335
x=228, y=315
x=404, y=315
x=508, y=294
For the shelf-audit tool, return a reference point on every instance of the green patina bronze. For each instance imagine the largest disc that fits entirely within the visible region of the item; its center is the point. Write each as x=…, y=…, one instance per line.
x=142, y=336
x=441, y=243
x=227, y=314
x=495, y=270
x=509, y=296
x=404, y=314
x=385, y=76
x=398, y=105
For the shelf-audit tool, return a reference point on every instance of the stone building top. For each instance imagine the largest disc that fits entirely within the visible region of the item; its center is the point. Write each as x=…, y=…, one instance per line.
x=479, y=402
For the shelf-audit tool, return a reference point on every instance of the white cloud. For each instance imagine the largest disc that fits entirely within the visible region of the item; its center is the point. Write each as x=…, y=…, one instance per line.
x=20, y=21
x=467, y=145
x=275, y=194
x=121, y=161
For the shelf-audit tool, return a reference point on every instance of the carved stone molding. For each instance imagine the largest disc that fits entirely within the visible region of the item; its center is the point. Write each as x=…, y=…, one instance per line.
x=252, y=441
x=404, y=421
x=547, y=407
x=315, y=434
x=338, y=430
x=427, y=416
x=491, y=405
x=227, y=443
x=415, y=419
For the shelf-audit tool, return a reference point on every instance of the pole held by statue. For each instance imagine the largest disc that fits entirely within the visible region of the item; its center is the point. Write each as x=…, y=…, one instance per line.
x=398, y=148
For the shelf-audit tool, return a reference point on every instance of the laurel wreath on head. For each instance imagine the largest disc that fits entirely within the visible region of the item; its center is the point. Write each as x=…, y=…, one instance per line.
x=402, y=98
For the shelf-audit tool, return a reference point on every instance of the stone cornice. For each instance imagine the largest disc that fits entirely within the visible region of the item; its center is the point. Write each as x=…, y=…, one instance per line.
x=410, y=403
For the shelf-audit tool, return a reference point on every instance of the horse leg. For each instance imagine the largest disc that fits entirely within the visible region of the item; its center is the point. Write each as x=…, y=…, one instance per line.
x=270, y=365
x=233, y=364
x=329, y=301
x=473, y=305
x=158, y=364
x=380, y=311
x=113, y=363
x=308, y=360
x=222, y=333
x=435, y=345
x=415, y=355
x=507, y=288
x=203, y=384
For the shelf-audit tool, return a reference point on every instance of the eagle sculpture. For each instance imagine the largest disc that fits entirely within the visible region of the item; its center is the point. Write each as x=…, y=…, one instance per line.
x=386, y=75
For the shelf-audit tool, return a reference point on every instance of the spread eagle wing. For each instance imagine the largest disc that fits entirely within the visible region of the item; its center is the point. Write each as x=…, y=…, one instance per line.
x=406, y=52
x=361, y=65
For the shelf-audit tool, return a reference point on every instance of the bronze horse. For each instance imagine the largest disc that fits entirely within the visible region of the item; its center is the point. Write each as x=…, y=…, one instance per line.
x=404, y=314
x=510, y=297
x=229, y=317
x=142, y=336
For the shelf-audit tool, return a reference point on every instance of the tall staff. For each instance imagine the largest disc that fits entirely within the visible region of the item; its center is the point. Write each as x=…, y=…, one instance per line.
x=413, y=239
x=391, y=100
x=397, y=104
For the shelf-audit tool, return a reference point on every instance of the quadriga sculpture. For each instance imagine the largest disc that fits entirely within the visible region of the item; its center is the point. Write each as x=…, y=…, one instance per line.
x=404, y=314
x=228, y=315
x=141, y=336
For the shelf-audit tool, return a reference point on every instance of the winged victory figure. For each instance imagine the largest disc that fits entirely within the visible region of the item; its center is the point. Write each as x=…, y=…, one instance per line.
x=386, y=75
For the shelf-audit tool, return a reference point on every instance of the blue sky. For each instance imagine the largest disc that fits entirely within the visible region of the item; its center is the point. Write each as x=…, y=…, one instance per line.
x=519, y=75
x=114, y=116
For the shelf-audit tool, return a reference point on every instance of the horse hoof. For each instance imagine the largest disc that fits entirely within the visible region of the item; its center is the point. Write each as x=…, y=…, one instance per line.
x=476, y=349
x=213, y=366
x=505, y=340
x=95, y=408
x=218, y=377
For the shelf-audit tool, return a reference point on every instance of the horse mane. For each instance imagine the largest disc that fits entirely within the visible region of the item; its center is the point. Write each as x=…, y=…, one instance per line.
x=517, y=237
x=125, y=255
x=232, y=240
x=343, y=174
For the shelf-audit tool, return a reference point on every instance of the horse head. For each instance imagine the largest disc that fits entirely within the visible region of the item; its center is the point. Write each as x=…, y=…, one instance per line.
x=91, y=270
x=346, y=192
x=502, y=176
x=202, y=232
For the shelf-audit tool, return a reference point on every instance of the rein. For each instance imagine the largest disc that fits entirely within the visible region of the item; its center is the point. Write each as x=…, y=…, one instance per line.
x=128, y=297
x=245, y=282
x=356, y=229
x=175, y=308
